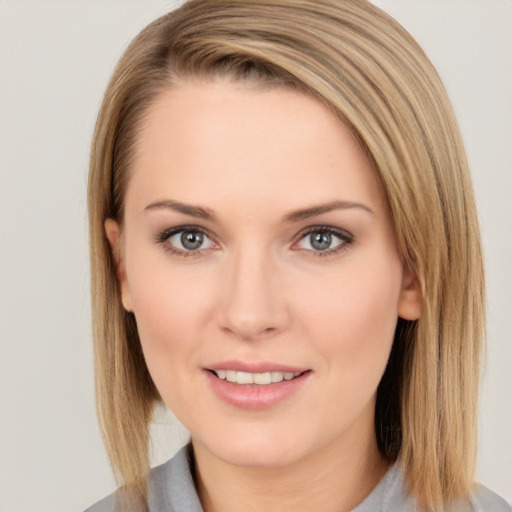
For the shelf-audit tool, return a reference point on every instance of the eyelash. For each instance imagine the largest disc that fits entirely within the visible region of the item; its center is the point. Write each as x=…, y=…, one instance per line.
x=163, y=239
x=346, y=240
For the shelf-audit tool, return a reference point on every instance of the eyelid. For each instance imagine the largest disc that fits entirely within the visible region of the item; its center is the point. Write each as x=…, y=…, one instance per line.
x=346, y=237
x=166, y=233
x=163, y=238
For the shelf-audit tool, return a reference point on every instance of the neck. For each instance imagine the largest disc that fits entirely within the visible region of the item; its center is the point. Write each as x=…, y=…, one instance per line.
x=335, y=478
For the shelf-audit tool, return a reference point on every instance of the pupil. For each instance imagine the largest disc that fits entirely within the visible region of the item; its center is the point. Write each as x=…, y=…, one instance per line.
x=191, y=240
x=321, y=241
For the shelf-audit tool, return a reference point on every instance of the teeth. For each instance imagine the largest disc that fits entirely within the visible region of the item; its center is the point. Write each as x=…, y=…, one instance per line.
x=262, y=378
x=277, y=376
x=255, y=378
x=230, y=376
x=244, y=378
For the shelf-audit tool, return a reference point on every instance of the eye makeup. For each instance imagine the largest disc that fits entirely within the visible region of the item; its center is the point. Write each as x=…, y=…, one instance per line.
x=320, y=239
x=194, y=241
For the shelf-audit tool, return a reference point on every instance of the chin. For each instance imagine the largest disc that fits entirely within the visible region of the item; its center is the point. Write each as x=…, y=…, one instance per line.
x=257, y=458
x=256, y=451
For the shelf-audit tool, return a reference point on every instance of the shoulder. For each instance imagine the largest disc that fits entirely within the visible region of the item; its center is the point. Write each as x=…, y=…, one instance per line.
x=170, y=489
x=392, y=495
x=484, y=500
x=118, y=501
x=107, y=504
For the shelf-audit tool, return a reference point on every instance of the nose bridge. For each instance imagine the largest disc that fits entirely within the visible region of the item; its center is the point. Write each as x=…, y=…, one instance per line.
x=254, y=304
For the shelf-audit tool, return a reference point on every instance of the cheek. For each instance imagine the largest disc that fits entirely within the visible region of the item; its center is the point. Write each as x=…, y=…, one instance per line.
x=353, y=317
x=169, y=307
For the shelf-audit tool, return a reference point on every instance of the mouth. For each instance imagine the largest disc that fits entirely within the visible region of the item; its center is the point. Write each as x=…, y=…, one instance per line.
x=256, y=385
x=257, y=389
x=260, y=379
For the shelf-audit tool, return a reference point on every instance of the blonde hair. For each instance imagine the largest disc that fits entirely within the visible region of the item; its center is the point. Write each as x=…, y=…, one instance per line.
x=362, y=64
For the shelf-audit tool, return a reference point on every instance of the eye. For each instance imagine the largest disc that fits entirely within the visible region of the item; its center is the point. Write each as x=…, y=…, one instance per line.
x=324, y=239
x=186, y=240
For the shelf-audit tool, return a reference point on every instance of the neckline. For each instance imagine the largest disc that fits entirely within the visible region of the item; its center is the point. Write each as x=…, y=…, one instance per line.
x=377, y=497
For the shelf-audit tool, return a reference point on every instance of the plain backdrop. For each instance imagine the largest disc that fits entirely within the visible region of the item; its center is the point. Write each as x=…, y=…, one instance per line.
x=55, y=59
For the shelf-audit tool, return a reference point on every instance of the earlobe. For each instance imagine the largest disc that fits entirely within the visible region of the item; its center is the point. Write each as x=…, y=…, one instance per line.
x=113, y=233
x=410, y=303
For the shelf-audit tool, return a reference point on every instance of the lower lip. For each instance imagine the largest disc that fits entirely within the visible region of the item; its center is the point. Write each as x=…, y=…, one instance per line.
x=254, y=396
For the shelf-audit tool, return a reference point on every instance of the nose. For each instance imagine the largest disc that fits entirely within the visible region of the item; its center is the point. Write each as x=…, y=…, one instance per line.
x=253, y=304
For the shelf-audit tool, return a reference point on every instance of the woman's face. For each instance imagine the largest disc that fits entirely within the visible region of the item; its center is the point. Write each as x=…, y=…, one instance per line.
x=257, y=247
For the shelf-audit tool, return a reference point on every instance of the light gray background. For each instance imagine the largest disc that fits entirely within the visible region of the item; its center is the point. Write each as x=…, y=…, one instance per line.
x=55, y=59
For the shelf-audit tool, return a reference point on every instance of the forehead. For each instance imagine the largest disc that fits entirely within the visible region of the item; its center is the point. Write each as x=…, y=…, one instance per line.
x=219, y=141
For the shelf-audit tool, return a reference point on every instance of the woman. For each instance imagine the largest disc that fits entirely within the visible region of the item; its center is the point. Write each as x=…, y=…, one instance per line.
x=285, y=251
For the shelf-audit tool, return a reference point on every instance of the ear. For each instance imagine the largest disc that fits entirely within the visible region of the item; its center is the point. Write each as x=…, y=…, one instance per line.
x=410, y=303
x=113, y=233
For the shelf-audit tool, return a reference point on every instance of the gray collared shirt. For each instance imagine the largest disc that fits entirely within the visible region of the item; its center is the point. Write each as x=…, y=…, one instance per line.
x=171, y=489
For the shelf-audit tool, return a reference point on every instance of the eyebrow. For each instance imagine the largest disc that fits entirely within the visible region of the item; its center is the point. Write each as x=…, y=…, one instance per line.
x=294, y=216
x=187, y=209
x=306, y=213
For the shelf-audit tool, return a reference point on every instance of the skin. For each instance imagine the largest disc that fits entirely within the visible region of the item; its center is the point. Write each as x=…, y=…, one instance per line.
x=257, y=290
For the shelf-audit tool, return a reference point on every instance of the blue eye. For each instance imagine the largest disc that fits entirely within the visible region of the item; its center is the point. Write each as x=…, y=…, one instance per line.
x=186, y=240
x=189, y=240
x=324, y=240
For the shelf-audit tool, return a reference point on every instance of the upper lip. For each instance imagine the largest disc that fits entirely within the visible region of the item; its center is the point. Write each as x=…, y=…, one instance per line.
x=255, y=367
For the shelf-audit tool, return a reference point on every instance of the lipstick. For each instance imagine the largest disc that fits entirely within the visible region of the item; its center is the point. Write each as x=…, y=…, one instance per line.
x=255, y=386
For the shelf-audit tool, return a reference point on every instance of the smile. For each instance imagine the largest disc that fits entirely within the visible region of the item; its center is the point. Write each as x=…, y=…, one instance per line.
x=258, y=389
x=261, y=379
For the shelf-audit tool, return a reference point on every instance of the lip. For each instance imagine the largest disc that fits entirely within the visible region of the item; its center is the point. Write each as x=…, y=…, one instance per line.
x=255, y=367
x=253, y=396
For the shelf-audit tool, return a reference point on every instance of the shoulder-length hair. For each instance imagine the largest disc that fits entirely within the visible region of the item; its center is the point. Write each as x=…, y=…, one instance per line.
x=365, y=67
